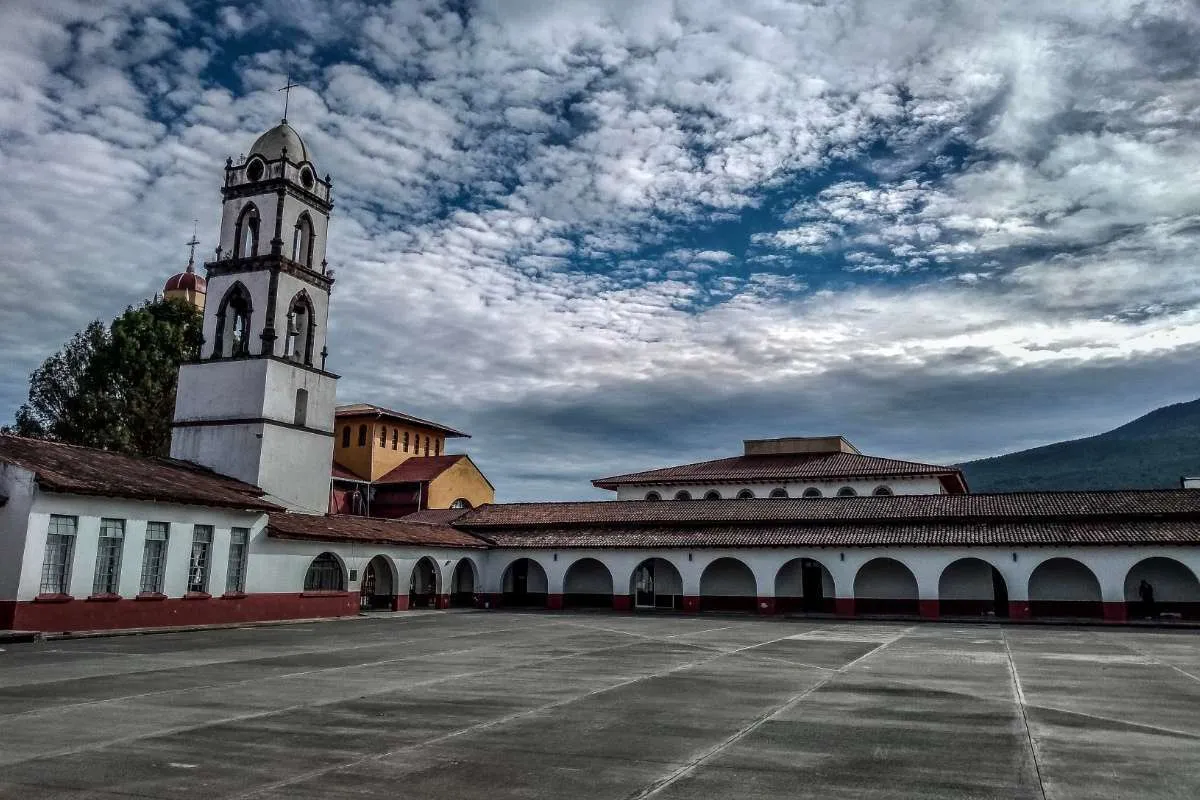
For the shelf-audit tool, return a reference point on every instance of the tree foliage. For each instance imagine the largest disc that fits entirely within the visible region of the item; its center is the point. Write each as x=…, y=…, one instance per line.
x=114, y=387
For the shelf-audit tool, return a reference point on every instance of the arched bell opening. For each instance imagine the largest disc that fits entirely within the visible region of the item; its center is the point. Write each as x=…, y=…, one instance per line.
x=524, y=584
x=971, y=587
x=423, y=584
x=804, y=585
x=656, y=583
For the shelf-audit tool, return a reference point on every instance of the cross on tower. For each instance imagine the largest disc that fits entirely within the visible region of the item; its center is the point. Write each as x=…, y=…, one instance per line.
x=287, y=94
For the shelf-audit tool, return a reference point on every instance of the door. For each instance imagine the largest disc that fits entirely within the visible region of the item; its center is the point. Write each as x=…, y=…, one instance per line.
x=366, y=592
x=520, y=580
x=643, y=586
x=999, y=594
x=812, y=585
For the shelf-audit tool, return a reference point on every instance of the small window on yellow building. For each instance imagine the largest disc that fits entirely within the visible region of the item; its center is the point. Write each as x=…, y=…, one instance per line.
x=383, y=435
x=406, y=441
x=395, y=437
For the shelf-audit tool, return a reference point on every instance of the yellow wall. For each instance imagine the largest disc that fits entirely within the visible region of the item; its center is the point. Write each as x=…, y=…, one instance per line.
x=462, y=480
x=373, y=461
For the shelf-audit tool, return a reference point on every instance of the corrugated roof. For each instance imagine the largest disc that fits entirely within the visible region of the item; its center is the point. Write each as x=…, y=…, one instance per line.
x=369, y=410
x=787, y=467
x=71, y=469
x=345, y=528
x=941, y=507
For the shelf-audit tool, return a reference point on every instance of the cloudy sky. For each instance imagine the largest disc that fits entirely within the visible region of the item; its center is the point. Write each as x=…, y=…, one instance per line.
x=606, y=235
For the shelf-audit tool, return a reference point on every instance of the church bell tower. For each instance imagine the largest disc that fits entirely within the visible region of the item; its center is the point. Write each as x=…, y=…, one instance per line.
x=258, y=404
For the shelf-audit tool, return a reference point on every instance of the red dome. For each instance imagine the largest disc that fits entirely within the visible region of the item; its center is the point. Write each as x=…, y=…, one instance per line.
x=186, y=281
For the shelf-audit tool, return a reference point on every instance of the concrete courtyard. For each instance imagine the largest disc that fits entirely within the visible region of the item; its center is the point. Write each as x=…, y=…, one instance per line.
x=575, y=706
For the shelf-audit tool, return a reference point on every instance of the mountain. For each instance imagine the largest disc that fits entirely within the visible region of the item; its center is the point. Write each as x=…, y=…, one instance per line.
x=1152, y=452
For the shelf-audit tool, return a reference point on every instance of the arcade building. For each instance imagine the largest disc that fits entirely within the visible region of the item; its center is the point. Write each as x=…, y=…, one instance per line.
x=245, y=521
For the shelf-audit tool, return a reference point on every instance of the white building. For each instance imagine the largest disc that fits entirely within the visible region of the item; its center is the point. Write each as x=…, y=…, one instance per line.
x=232, y=528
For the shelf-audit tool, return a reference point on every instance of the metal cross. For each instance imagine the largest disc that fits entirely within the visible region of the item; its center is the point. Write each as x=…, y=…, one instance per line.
x=287, y=94
x=192, y=244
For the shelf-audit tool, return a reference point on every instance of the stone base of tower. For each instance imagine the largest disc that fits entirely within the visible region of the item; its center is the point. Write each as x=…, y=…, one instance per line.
x=262, y=420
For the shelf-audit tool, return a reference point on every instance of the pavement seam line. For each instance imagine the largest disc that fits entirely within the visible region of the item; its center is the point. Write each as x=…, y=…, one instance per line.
x=1153, y=658
x=1021, y=706
x=319, y=704
x=502, y=720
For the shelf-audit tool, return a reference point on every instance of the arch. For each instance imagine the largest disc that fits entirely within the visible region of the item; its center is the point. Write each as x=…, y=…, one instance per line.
x=233, y=322
x=255, y=169
x=245, y=232
x=712, y=494
x=463, y=583
x=302, y=240
x=727, y=584
x=683, y=494
x=461, y=502
x=1174, y=589
x=301, y=416
x=301, y=329
x=588, y=583
x=812, y=492
x=653, y=496
x=423, y=584
x=972, y=587
x=524, y=584
x=745, y=494
x=362, y=435
x=377, y=592
x=1064, y=587
x=885, y=586
x=326, y=573
x=883, y=491
x=779, y=492
x=655, y=583
x=396, y=438
x=847, y=491
x=345, y=436
x=804, y=584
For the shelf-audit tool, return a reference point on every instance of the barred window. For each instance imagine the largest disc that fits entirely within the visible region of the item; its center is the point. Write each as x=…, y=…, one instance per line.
x=108, y=557
x=383, y=436
x=395, y=437
x=406, y=441
x=154, y=557
x=235, y=580
x=202, y=536
x=325, y=575
x=60, y=547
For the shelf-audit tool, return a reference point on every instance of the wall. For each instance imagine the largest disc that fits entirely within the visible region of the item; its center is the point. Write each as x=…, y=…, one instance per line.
x=372, y=462
x=729, y=491
x=462, y=480
x=258, y=285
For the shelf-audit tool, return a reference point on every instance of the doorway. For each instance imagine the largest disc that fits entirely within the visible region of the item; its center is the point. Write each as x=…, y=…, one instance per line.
x=656, y=584
x=377, y=591
x=812, y=581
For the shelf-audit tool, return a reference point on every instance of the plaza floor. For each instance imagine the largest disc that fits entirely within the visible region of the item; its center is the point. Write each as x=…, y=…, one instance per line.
x=579, y=706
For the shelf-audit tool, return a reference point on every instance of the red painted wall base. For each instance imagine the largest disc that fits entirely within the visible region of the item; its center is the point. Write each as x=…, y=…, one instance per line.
x=90, y=615
x=400, y=603
x=766, y=605
x=1115, y=612
x=928, y=609
x=844, y=606
x=1019, y=609
x=622, y=602
x=7, y=609
x=691, y=602
x=443, y=601
x=554, y=602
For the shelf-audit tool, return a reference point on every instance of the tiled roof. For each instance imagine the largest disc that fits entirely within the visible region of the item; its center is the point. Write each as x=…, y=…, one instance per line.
x=790, y=467
x=861, y=535
x=344, y=473
x=368, y=410
x=444, y=516
x=420, y=468
x=939, y=507
x=88, y=471
x=344, y=528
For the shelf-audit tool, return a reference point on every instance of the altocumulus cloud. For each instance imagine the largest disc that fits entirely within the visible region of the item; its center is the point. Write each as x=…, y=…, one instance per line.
x=608, y=235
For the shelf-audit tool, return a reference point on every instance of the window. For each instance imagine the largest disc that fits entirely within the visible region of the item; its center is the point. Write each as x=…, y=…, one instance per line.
x=60, y=548
x=325, y=575
x=426, y=445
x=712, y=494
x=302, y=241
x=154, y=558
x=683, y=494
x=653, y=496
x=847, y=491
x=406, y=441
x=882, y=491
x=780, y=492
x=246, y=233
x=461, y=502
x=437, y=447
x=362, y=435
x=745, y=494
x=108, y=557
x=383, y=436
x=239, y=545
x=198, y=564
x=306, y=178
x=345, y=436
x=812, y=492
x=255, y=170
x=395, y=437
x=301, y=406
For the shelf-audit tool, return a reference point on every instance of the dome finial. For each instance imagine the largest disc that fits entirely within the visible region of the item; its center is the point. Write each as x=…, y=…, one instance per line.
x=191, y=267
x=287, y=94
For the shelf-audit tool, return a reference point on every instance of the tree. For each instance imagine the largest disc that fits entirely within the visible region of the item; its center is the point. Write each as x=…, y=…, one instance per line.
x=114, y=388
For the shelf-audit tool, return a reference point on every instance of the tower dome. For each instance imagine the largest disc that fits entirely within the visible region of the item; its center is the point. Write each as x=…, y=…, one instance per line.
x=187, y=285
x=272, y=143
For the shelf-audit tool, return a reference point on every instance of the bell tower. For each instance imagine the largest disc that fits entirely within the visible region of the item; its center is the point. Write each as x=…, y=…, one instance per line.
x=258, y=404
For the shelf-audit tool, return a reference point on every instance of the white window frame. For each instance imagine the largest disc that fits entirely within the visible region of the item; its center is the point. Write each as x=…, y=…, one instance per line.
x=200, y=559
x=154, y=557
x=239, y=551
x=110, y=546
x=60, y=552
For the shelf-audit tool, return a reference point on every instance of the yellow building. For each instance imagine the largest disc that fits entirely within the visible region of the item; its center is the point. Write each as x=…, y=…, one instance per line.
x=389, y=464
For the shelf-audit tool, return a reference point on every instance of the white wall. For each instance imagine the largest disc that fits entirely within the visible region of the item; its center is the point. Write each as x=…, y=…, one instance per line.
x=729, y=491
x=17, y=485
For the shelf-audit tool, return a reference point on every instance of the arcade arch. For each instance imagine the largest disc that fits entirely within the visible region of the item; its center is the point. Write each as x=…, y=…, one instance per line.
x=463, y=583
x=804, y=584
x=885, y=586
x=656, y=583
x=377, y=592
x=972, y=587
x=423, y=584
x=1174, y=589
x=1064, y=587
x=588, y=584
x=524, y=584
x=727, y=584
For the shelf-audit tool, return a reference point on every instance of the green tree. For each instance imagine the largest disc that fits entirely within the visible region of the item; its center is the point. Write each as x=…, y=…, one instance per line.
x=114, y=388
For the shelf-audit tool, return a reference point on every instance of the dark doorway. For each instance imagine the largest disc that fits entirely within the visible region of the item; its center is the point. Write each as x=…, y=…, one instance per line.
x=524, y=584
x=462, y=586
x=1000, y=594
x=812, y=581
x=376, y=592
x=422, y=592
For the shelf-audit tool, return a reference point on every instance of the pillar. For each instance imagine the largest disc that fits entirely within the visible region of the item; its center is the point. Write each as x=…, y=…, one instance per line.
x=1116, y=612
x=443, y=601
x=844, y=606
x=554, y=602
x=765, y=605
x=622, y=602
x=400, y=602
x=691, y=603
x=1019, y=609
x=928, y=609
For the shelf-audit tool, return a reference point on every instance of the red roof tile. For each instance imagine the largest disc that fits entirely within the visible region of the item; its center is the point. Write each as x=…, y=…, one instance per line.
x=443, y=516
x=345, y=528
x=355, y=410
x=938, y=507
x=789, y=467
x=88, y=471
x=343, y=473
x=420, y=468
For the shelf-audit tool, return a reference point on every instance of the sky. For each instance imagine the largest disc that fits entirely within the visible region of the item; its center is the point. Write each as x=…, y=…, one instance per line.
x=611, y=235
